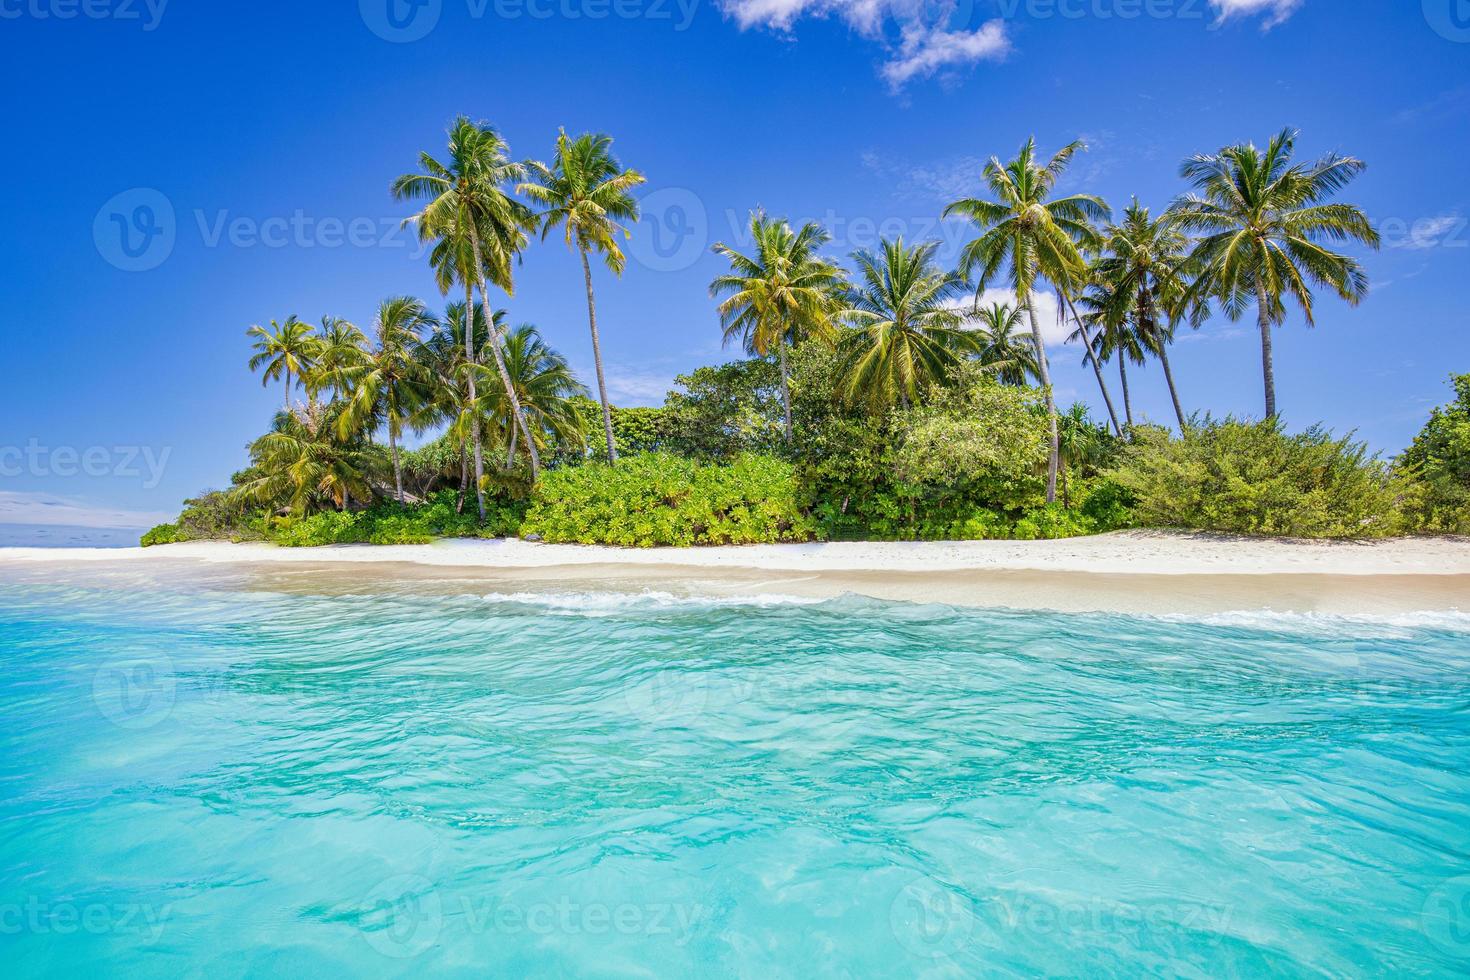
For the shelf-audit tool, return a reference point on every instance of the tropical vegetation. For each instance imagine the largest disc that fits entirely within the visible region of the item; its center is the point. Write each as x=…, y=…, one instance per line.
x=886, y=396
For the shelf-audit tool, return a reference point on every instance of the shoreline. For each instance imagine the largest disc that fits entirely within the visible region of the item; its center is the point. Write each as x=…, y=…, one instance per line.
x=1125, y=572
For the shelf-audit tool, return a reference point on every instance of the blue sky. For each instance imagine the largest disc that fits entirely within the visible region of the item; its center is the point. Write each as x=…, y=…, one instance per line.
x=262, y=138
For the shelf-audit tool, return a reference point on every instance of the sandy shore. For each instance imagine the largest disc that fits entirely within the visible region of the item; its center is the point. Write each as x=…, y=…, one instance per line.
x=1126, y=572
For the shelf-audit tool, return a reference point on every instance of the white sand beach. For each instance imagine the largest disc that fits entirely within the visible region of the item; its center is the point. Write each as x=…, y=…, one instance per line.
x=1136, y=571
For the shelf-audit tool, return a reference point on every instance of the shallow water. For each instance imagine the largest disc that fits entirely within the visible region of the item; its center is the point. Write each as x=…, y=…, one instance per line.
x=209, y=774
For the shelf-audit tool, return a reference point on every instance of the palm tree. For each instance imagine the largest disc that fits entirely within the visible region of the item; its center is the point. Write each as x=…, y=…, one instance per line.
x=584, y=190
x=544, y=386
x=1265, y=222
x=479, y=229
x=1012, y=355
x=341, y=347
x=1145, y=268
x=1082, y=444
x=389, y=383
x=1037, y=237
x=908, y=334
x=306, y=459
x=1118, y=334
x=442, y=357
x=287, y=349
x=779, y=295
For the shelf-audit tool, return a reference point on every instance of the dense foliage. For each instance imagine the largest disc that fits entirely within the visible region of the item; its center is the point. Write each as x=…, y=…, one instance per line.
x=662, y=499
x=1254, y=478
x=880, y=400
x=1439, y=462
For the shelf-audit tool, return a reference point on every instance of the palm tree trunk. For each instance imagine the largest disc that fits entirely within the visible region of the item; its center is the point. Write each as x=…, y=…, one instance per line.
x=469, y=354
x=1051, y=405
x=510, y=455
x=607, y=426
x=288, y=390
x=464, y=473
x=510, y=390
x=1169, y=377
x=1127, y=401
x=1096, y=367
x=786, y=393
x=397, y=468
x=1268, y=370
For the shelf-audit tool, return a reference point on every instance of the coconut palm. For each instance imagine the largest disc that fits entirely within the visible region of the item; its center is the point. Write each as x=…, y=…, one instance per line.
x=479, y=229
x=286, y=350
x=307, y=460
x=1145, y=267
x=341, y=347
x=907, y=332
x=389, y=383
x=544, y=386
x=1012, y=355
x=1118, y=335
x=584, y=191
x=1266, y=222
x=1090, y=352
x=1035, y=237
x=443, y=357
x=779, y=295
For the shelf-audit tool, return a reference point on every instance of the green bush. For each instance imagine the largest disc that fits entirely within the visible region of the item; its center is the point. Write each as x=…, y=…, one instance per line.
x=660, y=499
x=1253, y=478
x=1108, y=505
x=391, y=524
x=1051, y=521
x=162, y=534
x=1438, y=464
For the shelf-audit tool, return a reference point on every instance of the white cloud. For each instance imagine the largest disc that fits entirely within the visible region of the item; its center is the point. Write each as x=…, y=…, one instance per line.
x=924, y=47
x=924, y=50
x=631, y=387
x=940, y=180
x=1275, y=11
x=43, y=508
x=1054, y=333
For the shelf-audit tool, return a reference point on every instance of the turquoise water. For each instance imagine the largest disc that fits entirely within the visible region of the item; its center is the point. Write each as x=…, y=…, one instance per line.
x=250, y=777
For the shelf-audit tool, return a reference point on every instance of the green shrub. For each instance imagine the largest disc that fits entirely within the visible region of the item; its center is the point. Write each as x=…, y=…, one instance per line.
x=980, y=437
x=660, y=499
x=391, y=524
x=1109, y=505
x=162, y=534
x=1253, y=478
x=1438, y=464
x=1051, y=521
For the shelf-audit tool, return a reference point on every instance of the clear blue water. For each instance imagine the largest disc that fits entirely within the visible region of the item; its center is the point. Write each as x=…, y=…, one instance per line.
x=251, y=777
x=68, y=536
